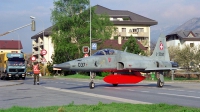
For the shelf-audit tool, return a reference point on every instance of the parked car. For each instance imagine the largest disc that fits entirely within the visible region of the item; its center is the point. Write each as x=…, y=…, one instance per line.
x=174, y=64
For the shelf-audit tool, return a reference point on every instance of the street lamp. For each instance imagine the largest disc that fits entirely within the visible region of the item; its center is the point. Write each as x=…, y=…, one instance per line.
x=32, y=24
x=32, y=17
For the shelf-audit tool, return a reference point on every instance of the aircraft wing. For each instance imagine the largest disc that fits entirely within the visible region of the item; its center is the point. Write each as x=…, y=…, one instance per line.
x=153, y=69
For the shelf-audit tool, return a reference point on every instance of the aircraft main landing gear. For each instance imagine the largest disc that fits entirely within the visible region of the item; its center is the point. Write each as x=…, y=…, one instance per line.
x=160, y=82
x=92, y=85
x=92, y=76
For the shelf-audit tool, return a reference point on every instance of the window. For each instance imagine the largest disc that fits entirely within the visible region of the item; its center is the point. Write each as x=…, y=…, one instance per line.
x=115, y=19
x=135, y=30
x=191, y=44
x=13, y=51
x=140, y=29
x=123, y=29
x=117, y=29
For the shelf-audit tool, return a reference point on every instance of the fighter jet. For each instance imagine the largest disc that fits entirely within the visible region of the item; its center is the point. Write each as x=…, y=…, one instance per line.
x=124, y=67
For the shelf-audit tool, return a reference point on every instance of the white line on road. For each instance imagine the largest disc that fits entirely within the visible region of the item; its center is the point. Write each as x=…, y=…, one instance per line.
x=191, y=91
x=99, y=96
x=179, y=95
x=117, y=88
x=145, y=91
x=130, y=90
x=80, y=84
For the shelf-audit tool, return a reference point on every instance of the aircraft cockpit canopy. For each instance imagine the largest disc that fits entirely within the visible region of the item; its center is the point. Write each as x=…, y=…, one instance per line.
x=105, y=52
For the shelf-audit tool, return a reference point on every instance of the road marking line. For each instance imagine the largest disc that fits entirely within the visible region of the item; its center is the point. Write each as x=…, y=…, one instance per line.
x=180, y=90
x=117, y=88
x=145, y=91
x=191, y=91
x=130, y=90
x=99, y=96
x=79, y=84
x=179, y=95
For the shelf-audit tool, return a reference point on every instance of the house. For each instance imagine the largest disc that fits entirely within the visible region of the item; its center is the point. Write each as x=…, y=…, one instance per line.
x=42, y=41
x=127, y=23
x=182, y=38
x=11, y=46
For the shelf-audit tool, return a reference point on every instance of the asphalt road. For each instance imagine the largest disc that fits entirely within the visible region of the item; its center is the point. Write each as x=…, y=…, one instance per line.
x=65, y=91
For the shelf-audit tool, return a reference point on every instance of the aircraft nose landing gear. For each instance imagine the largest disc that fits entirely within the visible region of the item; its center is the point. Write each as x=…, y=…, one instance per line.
x=92, y=76
x=92, y=85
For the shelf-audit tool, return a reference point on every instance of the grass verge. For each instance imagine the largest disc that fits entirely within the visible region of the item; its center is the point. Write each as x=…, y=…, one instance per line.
x=100, y=107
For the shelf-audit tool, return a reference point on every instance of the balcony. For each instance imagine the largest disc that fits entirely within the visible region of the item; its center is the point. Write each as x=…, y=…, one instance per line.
x=123, y=34
x=143, y=34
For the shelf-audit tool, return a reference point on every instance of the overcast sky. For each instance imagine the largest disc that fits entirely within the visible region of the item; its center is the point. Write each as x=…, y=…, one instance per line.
x=16, y=13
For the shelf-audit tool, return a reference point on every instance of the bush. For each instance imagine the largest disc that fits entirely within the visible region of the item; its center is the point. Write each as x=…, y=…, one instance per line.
x=103, y=74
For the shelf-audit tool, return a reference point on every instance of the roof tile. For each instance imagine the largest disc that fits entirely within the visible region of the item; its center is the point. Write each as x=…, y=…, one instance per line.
x=10, y=44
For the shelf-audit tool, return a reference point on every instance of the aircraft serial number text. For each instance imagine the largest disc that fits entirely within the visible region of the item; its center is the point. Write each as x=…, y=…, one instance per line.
x=81, y=64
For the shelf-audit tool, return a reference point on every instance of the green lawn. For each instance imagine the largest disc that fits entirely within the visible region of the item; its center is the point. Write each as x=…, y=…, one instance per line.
x=113, y=107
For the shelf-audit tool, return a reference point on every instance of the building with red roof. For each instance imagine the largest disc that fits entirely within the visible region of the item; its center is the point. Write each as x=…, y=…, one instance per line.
x=13, y=46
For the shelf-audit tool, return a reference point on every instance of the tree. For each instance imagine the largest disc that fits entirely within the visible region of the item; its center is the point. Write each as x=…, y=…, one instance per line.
x=132, y=46
x=187, y=57
x=71, y=28
x=173, y=52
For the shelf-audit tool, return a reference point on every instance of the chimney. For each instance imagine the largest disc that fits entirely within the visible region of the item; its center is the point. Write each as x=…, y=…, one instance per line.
x=119, y=39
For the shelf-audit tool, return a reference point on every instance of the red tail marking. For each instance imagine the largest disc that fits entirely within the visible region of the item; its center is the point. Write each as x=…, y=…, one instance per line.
x=109, y=59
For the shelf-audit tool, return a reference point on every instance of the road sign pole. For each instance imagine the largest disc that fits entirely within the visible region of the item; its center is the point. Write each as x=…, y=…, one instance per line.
x=43, y=52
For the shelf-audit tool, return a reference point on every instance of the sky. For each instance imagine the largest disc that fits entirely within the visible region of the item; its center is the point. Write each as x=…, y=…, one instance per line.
x=16, y=13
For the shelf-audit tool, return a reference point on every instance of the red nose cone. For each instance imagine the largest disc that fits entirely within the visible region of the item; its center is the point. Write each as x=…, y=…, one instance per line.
x=123, y=79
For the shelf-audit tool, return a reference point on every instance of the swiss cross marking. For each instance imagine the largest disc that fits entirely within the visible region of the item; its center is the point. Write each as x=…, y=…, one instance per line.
x=161, y=46
x=109, y=59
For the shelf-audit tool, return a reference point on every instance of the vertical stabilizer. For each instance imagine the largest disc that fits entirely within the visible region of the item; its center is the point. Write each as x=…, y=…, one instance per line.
x=161, y=51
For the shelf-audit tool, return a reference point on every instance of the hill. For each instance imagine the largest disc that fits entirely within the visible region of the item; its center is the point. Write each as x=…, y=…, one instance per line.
x=191, y=25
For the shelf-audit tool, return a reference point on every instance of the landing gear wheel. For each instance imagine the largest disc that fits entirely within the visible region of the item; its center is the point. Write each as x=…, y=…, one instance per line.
x=159, y=83
x=115, y=85
x=92, y=85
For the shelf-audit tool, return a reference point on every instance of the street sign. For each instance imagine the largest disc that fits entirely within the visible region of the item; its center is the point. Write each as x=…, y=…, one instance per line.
x=85, y=49
x=86, y=55
x=33, y=58
x=43, y=52
x=94, y=46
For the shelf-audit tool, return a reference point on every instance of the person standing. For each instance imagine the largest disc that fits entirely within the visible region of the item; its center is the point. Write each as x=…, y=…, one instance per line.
x=36, y=72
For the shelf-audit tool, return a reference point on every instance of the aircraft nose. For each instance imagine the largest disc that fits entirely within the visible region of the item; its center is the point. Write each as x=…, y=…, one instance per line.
x=62, y=66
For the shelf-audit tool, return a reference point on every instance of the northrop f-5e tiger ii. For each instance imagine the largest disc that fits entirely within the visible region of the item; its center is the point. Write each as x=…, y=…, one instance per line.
x=125, y=68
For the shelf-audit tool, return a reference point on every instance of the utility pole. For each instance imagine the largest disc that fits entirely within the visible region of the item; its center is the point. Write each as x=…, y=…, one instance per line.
x=32, y=27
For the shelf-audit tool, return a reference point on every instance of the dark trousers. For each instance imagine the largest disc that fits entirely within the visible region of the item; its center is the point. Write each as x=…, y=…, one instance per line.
x=36, y=78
